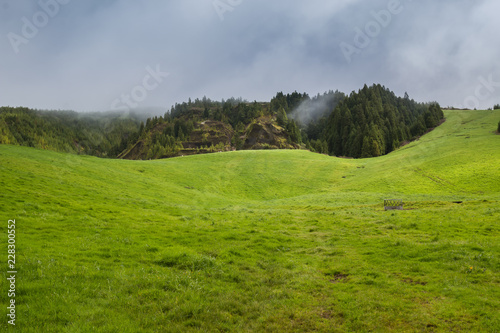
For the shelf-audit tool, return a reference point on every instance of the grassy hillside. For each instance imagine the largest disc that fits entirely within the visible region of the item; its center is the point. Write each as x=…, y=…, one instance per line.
x=286, y=241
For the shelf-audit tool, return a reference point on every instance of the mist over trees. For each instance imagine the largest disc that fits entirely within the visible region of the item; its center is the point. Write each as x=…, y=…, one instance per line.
x=97, y=134
x=367, y=123
x=374, y=122
x=370, y=122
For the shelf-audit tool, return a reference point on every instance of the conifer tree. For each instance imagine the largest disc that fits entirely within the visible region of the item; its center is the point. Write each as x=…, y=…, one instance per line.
x=281, y=117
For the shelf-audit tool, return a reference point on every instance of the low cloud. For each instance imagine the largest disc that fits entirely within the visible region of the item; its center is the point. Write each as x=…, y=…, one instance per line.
x=91, y=52
x=315, y=108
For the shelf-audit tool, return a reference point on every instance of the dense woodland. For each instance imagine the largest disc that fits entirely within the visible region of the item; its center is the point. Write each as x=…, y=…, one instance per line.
x=368, y=123
x=98, y=134
x=374, y=122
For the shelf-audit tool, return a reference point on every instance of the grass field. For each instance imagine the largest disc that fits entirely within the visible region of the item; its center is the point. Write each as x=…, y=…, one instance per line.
x=259, y=241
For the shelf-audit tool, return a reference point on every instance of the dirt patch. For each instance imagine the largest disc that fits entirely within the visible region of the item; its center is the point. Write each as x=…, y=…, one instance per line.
x=414, y=282
x=339, y=277
x=326, y=315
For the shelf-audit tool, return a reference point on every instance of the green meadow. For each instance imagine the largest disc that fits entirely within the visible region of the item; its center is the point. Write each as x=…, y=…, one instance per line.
x=259, y=241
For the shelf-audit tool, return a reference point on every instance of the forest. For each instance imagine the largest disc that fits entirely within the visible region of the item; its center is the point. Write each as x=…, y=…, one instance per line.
x=374, y=122
x=370, y=122
x=98, y=134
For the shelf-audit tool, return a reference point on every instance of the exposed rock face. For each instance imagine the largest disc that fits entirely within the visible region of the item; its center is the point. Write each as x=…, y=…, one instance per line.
x=266, y=134
x=210, y=133
x=209, y=136
x=214, y=136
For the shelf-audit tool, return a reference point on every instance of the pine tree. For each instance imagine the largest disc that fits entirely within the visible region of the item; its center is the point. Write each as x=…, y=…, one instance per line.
x=180, y=134
x=294, y=132
x=281, y=117
x=141, y=128
x=366, y=150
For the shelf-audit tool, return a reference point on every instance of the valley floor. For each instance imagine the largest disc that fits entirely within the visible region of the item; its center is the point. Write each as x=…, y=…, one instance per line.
x=259, y=241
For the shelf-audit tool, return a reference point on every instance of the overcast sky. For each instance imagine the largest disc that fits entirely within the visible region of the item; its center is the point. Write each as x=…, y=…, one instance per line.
x=95, y=55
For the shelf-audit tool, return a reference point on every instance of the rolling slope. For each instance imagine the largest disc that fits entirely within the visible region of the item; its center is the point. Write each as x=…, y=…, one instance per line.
x=260, y=240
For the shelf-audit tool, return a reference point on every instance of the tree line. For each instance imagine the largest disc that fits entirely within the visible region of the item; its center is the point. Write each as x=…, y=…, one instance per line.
x=370, y=122
x=374, y=122
x=98, y=134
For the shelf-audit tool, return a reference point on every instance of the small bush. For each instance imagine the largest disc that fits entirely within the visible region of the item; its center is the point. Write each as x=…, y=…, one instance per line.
x=496, y=107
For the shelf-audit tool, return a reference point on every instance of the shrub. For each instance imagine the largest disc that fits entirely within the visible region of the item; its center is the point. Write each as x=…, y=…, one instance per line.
x=496, y=107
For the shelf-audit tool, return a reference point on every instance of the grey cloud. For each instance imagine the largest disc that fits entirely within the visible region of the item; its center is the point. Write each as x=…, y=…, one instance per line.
x=91, y=52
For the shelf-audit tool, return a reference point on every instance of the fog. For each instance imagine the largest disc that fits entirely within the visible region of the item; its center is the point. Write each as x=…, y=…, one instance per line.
x=87, y=55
